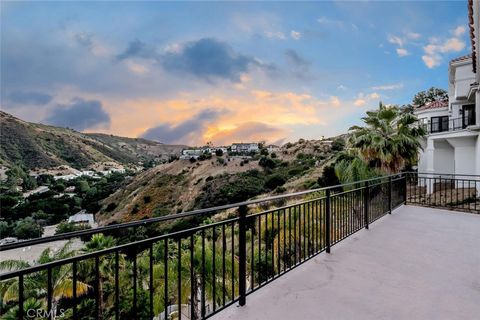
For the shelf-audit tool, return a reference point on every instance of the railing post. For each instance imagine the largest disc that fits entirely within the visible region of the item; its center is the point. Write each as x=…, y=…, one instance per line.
x=405, y=176
x=390, y=195
x=327, y=221
x=242, y=255
x=366, y=201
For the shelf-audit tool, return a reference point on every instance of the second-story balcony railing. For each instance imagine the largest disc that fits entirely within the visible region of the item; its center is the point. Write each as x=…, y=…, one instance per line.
x=195, y=272
x=444, y=124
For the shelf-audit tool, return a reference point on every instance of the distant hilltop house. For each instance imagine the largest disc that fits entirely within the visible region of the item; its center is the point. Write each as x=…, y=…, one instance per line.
x=452, y=145
x=82, y=217
x=88, y=173
x=191, y=153
x=272, y=148
x=245, y=147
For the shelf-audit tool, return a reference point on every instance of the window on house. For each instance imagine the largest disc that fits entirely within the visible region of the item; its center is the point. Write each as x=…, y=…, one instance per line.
x=468, y=115
x=439, y=124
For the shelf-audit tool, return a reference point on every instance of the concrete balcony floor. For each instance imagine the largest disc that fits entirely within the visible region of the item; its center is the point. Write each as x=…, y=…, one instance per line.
x=418, y=263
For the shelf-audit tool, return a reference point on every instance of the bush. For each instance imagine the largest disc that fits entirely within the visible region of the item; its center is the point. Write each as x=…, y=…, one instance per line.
x=27, y=228
x=219, y=152
x=274, y=181
x=59, y=187
x=329, y=177
x=338, y=144
x=267, y=163
x=64, y=227
x=111, y=206
x=147, y=199
x=273, y=155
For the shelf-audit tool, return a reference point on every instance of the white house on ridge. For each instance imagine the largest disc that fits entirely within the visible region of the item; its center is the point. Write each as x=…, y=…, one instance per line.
x=452, y=146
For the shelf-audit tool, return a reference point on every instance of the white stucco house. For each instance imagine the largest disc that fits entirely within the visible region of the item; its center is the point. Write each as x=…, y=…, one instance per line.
x=245, y=147
x=452, y=146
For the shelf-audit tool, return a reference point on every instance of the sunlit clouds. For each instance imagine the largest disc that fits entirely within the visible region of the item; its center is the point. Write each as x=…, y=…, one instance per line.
x=194, y=72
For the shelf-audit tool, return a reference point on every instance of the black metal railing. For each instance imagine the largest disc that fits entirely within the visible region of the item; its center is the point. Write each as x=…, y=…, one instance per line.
x=450, y=191
x=196, y=272
x=444, y=124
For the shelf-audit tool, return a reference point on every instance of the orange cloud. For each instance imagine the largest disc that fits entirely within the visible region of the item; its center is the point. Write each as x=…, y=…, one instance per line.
x=243, y=115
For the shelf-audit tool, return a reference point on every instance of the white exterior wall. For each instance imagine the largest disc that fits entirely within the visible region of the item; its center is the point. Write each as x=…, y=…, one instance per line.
x=444, y=158
x=455, y=151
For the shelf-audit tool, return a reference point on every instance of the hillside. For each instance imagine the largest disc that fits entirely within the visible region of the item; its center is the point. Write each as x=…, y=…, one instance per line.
x=181, y=185
x=41, y=146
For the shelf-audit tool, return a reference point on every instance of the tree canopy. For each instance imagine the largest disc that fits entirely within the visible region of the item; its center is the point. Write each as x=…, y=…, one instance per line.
x=432, y=94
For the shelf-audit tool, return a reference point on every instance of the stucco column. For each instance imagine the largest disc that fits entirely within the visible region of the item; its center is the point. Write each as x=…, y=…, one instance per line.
x=477, y=106
x=429, y=154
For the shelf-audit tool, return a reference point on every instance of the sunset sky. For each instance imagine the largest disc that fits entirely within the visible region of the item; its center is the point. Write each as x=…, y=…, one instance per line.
x=222, y=72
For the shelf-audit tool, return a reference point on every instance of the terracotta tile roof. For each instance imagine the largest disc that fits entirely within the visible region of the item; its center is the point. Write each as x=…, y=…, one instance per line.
x=433, y=105
x=465, y=57
x=472, y=35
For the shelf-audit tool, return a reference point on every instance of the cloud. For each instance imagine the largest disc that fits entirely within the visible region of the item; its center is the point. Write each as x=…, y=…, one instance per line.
x=402, y=52
x=138, y=49
x=359, y=102
x=187, y=130
x=458, y=31
x=388, y=86
x=28, y=97
x=335, y=101
x=278, y=35
x=79, y=114
x=402, y=41
x=362, y=99
x=209, y=59
x=435, y=50
x=251, y=132
x=396, y=40
x=413, y=35
x=299, y=66
x=296, y=35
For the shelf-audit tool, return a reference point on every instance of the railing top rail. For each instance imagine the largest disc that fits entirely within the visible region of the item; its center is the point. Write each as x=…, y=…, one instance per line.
x=117, y=248
x=444, y=174
x=81, y=233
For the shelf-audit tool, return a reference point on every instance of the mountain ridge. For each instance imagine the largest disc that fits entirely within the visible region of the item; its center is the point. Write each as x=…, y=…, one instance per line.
x=35, y=146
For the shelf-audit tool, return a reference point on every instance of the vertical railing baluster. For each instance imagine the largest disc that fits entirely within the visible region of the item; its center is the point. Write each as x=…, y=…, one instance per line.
x=284, y=238
x=278, y=242
x=252, y=255
x=49, y=292
x=74, y=290
x=289, y=237
x=327, y=222
x=366, y=203
x=117, y=287
x=135, y=271
x=242, y=254
x=203, y=275
x=224, y=250
x=165, y=266
x=214, y=268
x=179, y=277
x=20, y=296
x=193, y=281
x=233, y=260
x=150, y=280
x=390, y=205
x=97, y=287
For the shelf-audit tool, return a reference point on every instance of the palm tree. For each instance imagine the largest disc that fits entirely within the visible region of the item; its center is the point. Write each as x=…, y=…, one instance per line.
x=106, y=269
x=35, y=283
x=389, y=142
